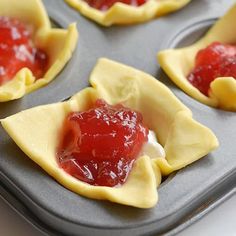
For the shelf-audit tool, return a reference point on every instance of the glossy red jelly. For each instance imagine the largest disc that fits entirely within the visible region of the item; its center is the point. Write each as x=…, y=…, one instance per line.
x=103, y=5
x=100, y=145
x=17, y=50
x=216, y=60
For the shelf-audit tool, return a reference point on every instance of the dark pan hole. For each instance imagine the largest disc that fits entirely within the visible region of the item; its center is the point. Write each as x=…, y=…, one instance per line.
x=54, y=23
x=168, y=178
x=66, y=99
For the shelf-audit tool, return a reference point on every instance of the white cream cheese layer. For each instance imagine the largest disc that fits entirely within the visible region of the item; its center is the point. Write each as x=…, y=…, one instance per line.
x=152, y=148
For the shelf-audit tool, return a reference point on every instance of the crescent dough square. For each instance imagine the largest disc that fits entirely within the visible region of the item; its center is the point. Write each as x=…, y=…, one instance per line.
x=121, y=13
x=178, y=63
x=57, y=43
x=184, y=139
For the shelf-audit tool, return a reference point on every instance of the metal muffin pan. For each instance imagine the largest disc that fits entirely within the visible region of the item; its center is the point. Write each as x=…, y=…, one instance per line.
x=183, y=197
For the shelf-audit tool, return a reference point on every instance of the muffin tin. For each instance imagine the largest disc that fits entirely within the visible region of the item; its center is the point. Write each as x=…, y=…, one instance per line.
x=184, y=196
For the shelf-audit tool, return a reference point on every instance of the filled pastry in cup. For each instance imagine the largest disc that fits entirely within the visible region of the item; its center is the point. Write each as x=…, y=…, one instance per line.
x=32, y=52
x=125, y=11
x=113, y=141
x=206, y=70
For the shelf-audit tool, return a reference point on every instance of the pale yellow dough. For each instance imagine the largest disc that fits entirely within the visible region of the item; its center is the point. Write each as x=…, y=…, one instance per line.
x=178, y=63
x=184, y=139
x=57, y=43
x=121, y=13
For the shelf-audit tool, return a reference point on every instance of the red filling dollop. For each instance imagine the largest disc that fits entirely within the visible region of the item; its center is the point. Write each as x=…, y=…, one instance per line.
x=216, y=60
x=100, y=145
x=106, y=4
x=17, y=50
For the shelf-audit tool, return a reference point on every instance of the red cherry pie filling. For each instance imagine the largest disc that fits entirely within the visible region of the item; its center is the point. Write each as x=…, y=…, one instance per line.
x=99, y=146
x=104, y=5
x=17, y=50
x=216, y=60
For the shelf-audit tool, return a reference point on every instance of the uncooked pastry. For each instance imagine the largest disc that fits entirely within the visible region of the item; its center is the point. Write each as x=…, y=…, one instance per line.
x=57, y=43
x=178, y=63
x=121, y=13
x=184, y=139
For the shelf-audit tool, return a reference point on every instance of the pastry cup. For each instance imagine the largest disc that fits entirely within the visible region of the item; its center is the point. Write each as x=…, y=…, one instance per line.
x=184, y=139
x=121, y=13
x=178, y=63
x=57, y=43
